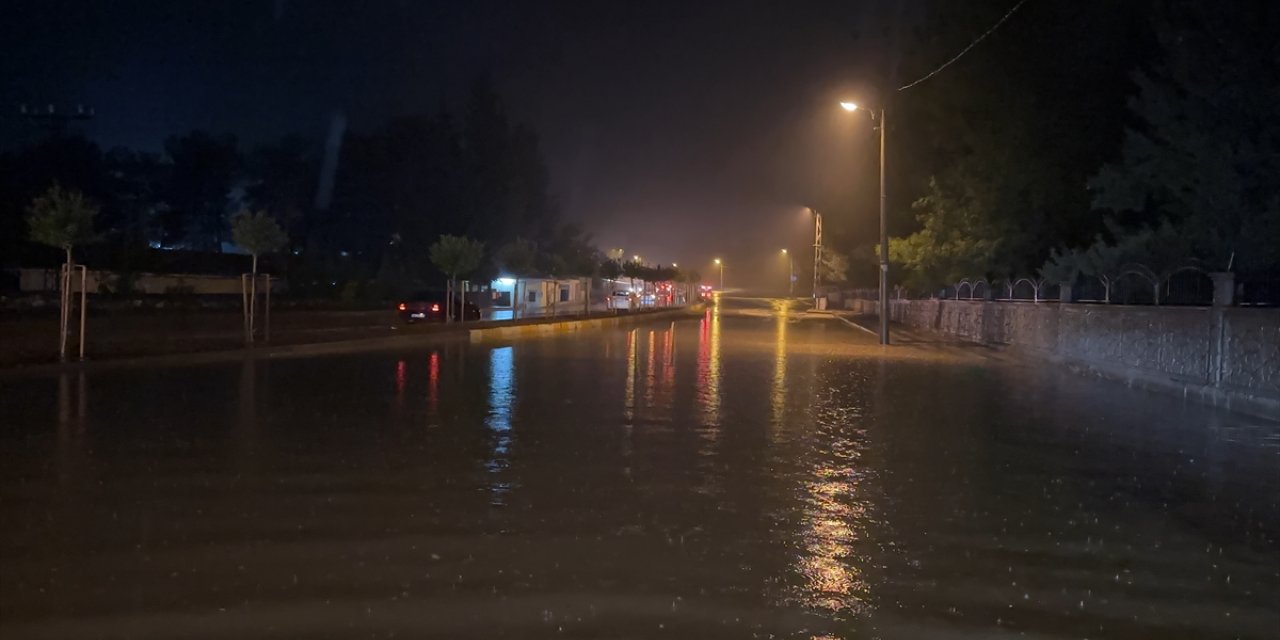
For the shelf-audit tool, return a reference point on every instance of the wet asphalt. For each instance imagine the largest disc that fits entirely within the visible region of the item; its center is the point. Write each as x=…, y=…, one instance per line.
x=746, y=473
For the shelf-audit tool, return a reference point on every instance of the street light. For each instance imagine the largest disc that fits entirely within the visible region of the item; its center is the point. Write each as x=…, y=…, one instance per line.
x=884, y=233
x=721, y=265
x=791, y=274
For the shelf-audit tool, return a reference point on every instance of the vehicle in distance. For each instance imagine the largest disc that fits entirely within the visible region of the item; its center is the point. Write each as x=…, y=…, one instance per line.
x=429, y=306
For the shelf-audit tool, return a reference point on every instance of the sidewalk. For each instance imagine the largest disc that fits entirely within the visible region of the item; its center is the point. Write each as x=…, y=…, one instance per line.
x=902, y=336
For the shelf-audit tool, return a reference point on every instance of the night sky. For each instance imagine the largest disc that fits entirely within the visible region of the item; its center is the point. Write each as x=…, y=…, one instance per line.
x=679, y=131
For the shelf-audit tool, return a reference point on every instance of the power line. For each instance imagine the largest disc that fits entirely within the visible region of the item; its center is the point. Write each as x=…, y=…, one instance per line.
x=966, y=49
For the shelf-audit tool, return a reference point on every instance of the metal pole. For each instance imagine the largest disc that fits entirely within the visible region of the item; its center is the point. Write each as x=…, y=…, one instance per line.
x=266, y=315
x=884, y=242
x=721, y=277
x=791, y=275
x=84, y=291
x=817, y=252
x=64, y=291
x=244, y=306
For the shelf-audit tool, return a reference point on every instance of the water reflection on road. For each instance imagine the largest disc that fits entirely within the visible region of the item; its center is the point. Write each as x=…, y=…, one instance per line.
x=724, y=476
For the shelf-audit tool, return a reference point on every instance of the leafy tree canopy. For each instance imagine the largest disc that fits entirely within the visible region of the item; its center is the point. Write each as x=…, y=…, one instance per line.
x=257, y=233
x=62, y=218
x=456, y=255
x=1204, y=152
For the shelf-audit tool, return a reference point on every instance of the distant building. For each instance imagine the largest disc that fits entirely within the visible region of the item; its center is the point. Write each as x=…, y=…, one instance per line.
x=538, y=296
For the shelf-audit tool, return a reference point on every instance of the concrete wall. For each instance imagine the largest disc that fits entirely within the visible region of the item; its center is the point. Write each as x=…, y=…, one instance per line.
x=1221, y=355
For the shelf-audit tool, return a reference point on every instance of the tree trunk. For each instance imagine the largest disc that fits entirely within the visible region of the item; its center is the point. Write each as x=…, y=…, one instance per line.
x=65, y=305
x=253, y=299
x=448, y=300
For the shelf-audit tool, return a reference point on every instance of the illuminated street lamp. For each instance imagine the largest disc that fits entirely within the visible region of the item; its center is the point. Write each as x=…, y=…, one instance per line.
x=721, y=265
x=791, y=274
x=884, y=233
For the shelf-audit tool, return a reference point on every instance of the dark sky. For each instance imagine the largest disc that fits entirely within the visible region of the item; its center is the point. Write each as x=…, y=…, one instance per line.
x=677, y=130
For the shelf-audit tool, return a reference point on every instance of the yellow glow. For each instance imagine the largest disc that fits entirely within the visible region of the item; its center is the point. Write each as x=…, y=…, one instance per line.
x=784, y=250
x=629, y=393
x=708, y=381
x=674, y=264
x=849, y=106
x=778, y=392
x=649, y=372
x=717, y=260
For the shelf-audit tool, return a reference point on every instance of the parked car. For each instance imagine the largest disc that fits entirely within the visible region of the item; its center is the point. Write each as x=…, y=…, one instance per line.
x=429, y=306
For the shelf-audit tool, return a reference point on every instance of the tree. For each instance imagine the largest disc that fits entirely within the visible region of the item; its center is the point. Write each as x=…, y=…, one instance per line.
x=1205, y=150
x=996, y=141
x=519, y=259
x=258, y=234
x=204, y=167
x=282, y=178
x=835, y=267
x=610, y=269
x=955, y=240
x=455, y=256
x=62, y=219
x=632, y=270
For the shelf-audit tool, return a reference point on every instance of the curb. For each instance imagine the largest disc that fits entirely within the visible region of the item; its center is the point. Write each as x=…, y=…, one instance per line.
x=571, y=326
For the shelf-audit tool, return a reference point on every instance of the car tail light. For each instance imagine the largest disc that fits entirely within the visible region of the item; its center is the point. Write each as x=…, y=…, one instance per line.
x=435, y=307
x=402, y=306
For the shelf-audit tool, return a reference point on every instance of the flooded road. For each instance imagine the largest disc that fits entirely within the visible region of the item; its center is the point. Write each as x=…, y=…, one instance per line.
x=722, y=476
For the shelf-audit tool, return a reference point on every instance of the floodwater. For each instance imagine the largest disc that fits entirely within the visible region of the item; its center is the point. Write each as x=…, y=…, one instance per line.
x=719, y=477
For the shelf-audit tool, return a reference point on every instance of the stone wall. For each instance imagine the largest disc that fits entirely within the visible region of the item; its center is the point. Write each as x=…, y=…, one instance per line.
x=1222, y=355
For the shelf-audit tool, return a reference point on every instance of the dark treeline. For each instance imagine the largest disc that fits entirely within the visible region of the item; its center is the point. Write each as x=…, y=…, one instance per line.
x=1084, y=140
x=394, y=191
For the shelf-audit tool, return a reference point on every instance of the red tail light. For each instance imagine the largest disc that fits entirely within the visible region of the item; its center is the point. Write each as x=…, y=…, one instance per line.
x=435, y=307
x=402, y=306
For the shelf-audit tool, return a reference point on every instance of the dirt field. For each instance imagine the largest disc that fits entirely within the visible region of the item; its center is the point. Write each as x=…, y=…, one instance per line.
x=33, y=338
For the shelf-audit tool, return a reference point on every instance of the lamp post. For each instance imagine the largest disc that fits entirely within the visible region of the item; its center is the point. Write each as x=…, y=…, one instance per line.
x=884, y=233
x=720, y=264
x=791, y=274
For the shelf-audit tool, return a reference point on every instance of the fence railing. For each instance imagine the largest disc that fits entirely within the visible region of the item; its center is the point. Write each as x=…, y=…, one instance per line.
x=1183, y=288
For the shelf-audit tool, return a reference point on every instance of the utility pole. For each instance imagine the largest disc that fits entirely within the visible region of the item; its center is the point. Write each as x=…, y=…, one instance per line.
x=817, y=252
x=884, y=241
x=791, y=274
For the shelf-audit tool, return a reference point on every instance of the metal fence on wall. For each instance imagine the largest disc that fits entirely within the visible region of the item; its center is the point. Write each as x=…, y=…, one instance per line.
x=1184, y=288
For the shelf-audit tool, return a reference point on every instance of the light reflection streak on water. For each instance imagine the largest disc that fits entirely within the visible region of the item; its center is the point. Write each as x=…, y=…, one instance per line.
x=833, y=518
x=71, y=434
x=778, y=392
x=708, y=383
x=668, y=364
x=433, y=382
x=629, y=393
x=402, y=376
x=502, y=373
x=650, y=372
